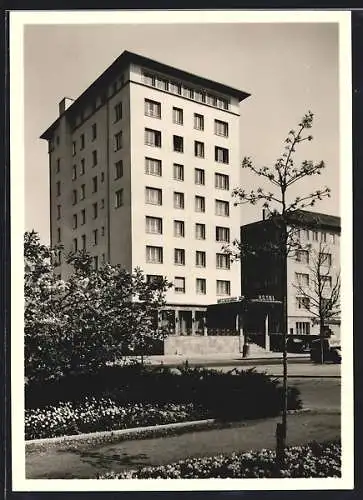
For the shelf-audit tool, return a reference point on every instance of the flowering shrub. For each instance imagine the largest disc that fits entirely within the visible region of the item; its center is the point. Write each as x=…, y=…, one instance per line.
x=312, y=460
x=104, y=414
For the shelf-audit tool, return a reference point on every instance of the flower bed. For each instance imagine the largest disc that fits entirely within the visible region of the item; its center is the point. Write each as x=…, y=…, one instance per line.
x=103, y=414
x=309, y=461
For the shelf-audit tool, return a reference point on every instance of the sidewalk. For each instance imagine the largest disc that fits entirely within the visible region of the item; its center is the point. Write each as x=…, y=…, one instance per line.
x=87, y=461
x=178, y=359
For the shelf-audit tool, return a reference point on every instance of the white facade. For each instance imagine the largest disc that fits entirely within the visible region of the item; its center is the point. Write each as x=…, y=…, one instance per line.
x=101, y=190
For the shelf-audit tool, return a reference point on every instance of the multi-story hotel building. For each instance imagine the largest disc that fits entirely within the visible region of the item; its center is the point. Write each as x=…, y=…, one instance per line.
x=141, y=170
x=261, y=274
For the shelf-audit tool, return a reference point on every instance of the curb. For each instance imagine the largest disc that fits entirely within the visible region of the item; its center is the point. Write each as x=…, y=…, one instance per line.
x=147, y=431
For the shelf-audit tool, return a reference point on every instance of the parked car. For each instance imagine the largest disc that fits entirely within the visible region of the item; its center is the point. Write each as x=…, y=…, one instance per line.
x=330, y=353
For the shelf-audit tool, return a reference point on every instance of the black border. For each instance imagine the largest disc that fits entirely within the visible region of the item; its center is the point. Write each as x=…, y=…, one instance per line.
x=357, y=98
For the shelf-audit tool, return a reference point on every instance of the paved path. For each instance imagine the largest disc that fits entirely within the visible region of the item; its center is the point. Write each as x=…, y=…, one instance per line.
x=87, y=461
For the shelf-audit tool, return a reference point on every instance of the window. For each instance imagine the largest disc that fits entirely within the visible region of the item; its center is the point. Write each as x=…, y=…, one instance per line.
x=161, y=83
x=178, y=116
x=82, y=142
x=302, y=279
x=83, y=192
x=95, y=262
x=58, y=166
x=154, y=278
x=188, y=92
x=74, y=196
x=179, y=229
x=199, y=149
x=325, y=259
x=178, y=172
x=117, y=145
x=222, y=103
x=200, y=231
x=118, y=111
x=200, y=258
x=199, y=176
x=83, y=167
x=333, y=238
x=74, y=221
x=178, y=200
x=95, y=236
x=102, y=177
x=302, y=302
x=302, y=256
x=175, y=88
x=223, y=287
x=307, y=234
x=315, y=235
x=103, y=231
x=154, y=255
x=221, y=181
x=154, y=225
x=153, y=196
x=221, y=128
x=198, y=121
x=211, y=100
x=83, y=216
x=148, y=79
x=199, y=204
x=119, y=198
x=102, y=203
x=323, y=237
x=199, y=96
x=74, y=172
x=179, y=256
x=94, y=184
x=103, y=258
x=94, y=158
x=152, y=108
x=95, y=210
x=94, y=131
x=326, y=280
x=178, y=143
x=221, y=155
x=179, y=285
x=302, y=328
x=153, y=167
x=83, y=239
x=74, y=146
x=222, y=208
x=58, y=188
x=58, y=211
x=201, y=286
x=75, y=244
x=58, y=234
x=223, y=261
x=119, y=169
x=153, y=138
x=326, y=304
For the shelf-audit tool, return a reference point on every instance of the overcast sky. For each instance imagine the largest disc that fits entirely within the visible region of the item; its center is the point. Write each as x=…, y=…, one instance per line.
x=288, y=69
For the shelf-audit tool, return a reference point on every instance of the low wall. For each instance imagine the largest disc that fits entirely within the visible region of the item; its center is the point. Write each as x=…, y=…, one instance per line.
x=201, y=345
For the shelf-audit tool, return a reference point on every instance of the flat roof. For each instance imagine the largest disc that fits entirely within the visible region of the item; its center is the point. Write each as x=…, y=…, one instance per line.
x=306, y=218
x=130, y=57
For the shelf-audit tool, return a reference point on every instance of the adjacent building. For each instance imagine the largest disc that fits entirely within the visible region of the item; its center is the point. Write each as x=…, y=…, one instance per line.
x=267, y=273
x=141, y=170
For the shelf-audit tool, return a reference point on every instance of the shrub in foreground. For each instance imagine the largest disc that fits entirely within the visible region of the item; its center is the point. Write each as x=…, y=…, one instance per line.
x=310, y=461
x=93, y=415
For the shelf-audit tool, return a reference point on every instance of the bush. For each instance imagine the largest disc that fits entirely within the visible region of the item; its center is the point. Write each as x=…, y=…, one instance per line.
x=312, y=460
x=93, y=415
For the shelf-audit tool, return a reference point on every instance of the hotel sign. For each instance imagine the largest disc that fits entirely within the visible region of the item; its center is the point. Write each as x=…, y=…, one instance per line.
x=230, y=299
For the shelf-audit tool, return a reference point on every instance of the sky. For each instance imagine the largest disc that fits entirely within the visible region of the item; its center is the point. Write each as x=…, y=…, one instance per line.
x=288, y=68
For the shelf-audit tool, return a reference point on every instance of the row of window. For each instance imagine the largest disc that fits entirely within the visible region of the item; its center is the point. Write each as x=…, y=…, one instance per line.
x=304, y=302
x=179, y=88
x=223, y=287
x=82, y=244
x=154, y=255
x=154, y=225
x=315, y=235
x=153, y=110
x=303, y=256
x=154, y=196
x=153, y=138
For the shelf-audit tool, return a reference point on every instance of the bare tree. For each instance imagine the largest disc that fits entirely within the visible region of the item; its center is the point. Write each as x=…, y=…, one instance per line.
x=282, y=207
x=319, y=290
